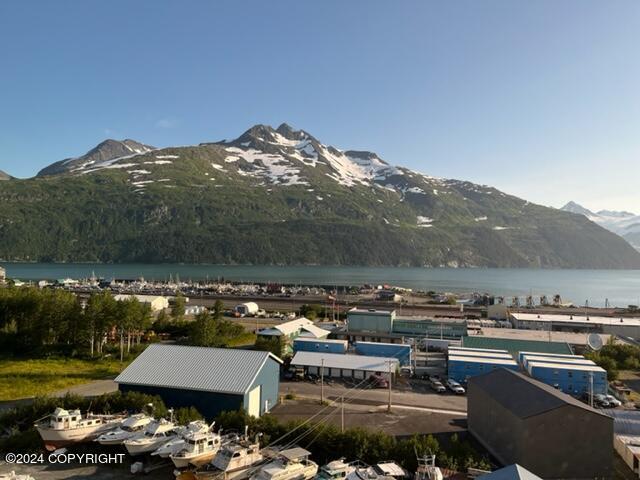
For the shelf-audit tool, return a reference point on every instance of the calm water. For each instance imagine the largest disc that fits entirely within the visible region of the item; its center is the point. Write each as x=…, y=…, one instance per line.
x=621, y=287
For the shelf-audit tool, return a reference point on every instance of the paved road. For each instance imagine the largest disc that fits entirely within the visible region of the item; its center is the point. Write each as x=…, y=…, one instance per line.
x=426, y=401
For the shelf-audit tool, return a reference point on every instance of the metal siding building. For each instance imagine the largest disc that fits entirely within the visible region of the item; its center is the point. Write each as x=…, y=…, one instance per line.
x=521, y=420
x=450, y=328
x=462, y=368
x=210, y=379
x=515, y=346
x=571, y=379
x=391, y=350
x=324, y=345
x=622, y=326
x=463, y=352
x=371, y=320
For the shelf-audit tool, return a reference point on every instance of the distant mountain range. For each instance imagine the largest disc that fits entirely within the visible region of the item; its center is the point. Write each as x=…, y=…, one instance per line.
x=280, y=196
x=625, y=224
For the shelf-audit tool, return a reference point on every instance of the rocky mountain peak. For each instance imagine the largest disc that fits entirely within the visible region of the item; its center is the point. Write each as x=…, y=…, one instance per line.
x=106, y=151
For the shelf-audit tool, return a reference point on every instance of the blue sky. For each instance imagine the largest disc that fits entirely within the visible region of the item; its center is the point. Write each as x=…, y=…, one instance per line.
x=539, y=99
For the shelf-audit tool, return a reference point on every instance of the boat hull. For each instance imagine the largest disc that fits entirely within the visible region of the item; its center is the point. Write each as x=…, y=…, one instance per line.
x=54, y=439
x=195, y=460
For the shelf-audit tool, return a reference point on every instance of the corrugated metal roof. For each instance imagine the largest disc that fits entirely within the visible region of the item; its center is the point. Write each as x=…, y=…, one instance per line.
x=514, y=346
x=323, y=340
x=476, y=353
x=339, y=360
x=566, y=366
x=541, y=357
x=491, y=360
x=221, y=370
x=522, y=395
x=468, y=349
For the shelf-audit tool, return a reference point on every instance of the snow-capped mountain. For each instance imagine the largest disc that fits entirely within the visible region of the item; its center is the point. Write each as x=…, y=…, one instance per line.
x=625, y=224
x=281, y=196
x=102, y=156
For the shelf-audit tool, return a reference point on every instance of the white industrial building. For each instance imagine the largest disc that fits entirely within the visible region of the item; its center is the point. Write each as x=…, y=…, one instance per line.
x=340, y=365
x=623, y=326
x=156, y=302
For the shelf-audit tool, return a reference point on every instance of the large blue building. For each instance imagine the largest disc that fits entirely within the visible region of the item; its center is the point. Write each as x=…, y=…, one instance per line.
x=390, y=350
x=210, y=379
x=461, y=368
x=573, y=379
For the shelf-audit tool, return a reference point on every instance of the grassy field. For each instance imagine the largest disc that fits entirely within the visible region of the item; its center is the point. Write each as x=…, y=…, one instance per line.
x=27, y=378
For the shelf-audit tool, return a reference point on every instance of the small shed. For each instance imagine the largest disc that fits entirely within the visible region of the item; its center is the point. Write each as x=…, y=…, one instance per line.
x=210, y=379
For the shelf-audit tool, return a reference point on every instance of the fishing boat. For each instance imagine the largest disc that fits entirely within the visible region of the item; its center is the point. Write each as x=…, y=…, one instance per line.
x=129, y=427
x=66, y=427
x=175, y=444
x=427, y=469
x=290, y=464
x=155, y=434
x=198, y=449
x=336, y=470
x=234, y=461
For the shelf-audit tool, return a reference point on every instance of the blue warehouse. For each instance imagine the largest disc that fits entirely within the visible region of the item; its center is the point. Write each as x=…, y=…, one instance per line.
x=210, y=379
x=461, y=368
x=320, y=345
x=573, y=379
x=400, y=351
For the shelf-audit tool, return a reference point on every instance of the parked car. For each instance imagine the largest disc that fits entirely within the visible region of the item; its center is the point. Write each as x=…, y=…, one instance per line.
x=378, y=381
x=455, y=387
x=437, y=386
x=601, y=400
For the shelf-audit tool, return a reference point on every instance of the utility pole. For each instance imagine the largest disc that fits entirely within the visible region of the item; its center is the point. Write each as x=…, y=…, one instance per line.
x=342, y=414
x=322, y=381
x=591, y=389
x=389, y=406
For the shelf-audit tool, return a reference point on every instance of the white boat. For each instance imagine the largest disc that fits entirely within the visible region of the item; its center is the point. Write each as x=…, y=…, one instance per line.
x=175, y=444
x=198, y=449
x=290, y=464
x=66, y=427
x=129, y=427
x=233, y=461
x=155, y=434
x=335, y=470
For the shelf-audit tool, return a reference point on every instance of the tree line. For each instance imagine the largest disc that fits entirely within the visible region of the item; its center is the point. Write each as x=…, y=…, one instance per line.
x=36, y=320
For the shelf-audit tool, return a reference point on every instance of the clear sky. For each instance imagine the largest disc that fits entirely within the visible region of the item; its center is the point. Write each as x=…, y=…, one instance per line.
x=540, y=99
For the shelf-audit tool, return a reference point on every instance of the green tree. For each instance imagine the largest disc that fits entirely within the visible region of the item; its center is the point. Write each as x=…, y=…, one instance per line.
x=178, y=307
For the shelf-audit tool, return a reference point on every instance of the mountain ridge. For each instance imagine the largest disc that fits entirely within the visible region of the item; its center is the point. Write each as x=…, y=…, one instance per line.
x=280, y=196
x=623, y=223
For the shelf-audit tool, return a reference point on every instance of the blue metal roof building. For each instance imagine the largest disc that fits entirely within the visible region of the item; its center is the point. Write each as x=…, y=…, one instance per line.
x=210, y=379
x=573, y=379
x=320, y=345
x=400, y=351
x=461, y=368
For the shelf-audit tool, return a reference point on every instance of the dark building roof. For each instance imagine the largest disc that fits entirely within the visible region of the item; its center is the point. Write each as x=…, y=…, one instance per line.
x=524, y=396
x=223, y=370
x=512, y=472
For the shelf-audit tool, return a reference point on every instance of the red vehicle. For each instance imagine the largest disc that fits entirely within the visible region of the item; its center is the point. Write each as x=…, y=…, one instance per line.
x=378, y=381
